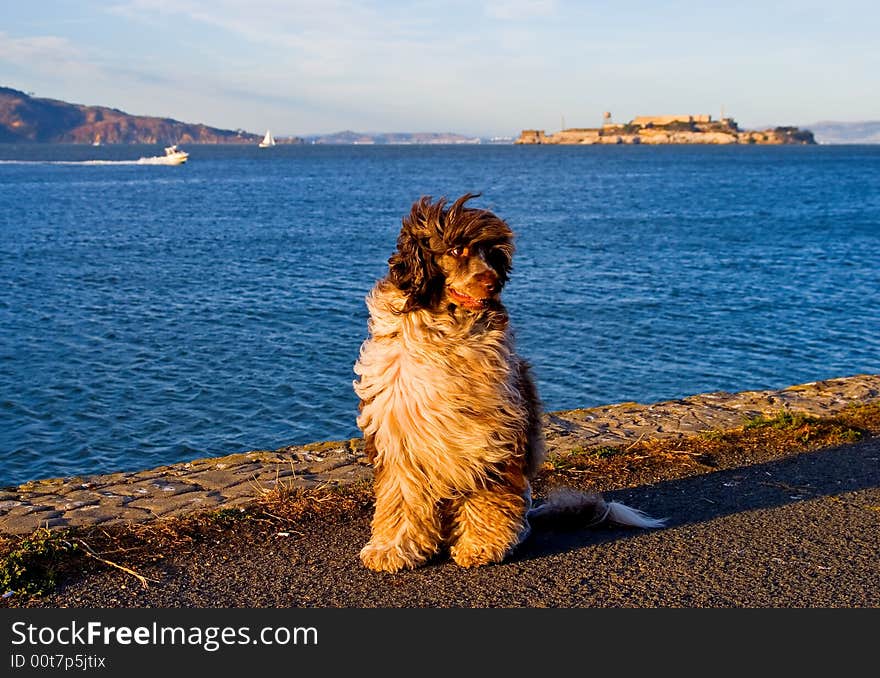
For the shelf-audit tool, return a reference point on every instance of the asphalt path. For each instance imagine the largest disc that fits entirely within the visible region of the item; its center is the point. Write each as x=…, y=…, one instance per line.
x=800, y=531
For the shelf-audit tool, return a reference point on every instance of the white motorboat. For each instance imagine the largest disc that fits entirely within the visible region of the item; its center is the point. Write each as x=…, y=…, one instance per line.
x=173, y=156
x=268, y=140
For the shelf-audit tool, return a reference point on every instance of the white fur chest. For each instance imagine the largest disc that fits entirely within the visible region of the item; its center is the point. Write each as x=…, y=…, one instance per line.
x=438, y=394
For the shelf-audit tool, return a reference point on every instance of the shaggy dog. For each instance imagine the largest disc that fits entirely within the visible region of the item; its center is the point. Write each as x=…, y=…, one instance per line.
x=449, y=412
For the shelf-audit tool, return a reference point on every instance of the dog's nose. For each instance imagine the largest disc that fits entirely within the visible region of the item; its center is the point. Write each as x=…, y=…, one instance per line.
x=489, y=281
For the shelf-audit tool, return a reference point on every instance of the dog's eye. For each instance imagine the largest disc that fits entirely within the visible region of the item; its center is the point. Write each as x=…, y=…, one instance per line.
x=458, y=252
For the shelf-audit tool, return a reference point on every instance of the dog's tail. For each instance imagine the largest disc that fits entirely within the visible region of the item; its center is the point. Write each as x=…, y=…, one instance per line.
x=587, y=509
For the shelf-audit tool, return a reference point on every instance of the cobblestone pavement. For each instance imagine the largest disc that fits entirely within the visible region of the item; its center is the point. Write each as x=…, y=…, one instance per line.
x=238, y=479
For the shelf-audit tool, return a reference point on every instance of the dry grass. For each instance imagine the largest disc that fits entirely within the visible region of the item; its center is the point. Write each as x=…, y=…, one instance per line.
x=758, y=439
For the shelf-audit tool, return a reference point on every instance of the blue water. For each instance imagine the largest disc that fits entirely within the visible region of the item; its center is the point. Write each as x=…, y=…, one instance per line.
x=153, y=314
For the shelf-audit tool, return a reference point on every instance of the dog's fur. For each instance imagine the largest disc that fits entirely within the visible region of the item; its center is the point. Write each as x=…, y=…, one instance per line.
x=450, y=414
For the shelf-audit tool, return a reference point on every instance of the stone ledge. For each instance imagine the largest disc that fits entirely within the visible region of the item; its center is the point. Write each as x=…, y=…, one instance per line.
x=238, y=479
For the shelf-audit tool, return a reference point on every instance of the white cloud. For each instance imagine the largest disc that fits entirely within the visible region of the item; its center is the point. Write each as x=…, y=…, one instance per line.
x=45, y=52
x=292, y=24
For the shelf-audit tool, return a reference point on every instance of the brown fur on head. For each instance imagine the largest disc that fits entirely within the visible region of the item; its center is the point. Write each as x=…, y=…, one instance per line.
x=457, y=255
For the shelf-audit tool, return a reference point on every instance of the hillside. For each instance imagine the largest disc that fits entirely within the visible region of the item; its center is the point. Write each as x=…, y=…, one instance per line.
x=24, y=118
x=831, y=132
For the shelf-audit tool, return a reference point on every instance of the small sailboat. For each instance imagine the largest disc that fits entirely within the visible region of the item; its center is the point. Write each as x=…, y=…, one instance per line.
x=268, y=140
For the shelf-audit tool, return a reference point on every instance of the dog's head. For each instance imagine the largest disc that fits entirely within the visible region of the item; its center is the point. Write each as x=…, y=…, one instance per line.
x=451, y=255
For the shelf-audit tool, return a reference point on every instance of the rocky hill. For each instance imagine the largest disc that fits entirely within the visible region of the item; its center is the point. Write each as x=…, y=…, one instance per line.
x=24, y=118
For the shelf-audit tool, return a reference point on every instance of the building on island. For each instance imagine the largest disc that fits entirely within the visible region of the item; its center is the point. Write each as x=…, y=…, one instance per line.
x=667, y=129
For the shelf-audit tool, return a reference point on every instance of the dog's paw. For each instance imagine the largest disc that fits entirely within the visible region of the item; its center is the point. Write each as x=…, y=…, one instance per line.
x=473, y=555
x=389, y=558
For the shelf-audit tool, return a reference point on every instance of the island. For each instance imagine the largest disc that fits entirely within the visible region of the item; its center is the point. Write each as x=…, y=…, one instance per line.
x=668, y=129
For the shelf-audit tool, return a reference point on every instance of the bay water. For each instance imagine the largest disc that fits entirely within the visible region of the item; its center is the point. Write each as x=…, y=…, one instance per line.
x=152, y=314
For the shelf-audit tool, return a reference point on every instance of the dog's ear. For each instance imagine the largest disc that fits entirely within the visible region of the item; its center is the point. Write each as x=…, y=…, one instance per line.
x=412, y=267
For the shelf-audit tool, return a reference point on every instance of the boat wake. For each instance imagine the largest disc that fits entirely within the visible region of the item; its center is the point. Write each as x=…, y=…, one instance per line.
x=173, y=156
x=75, y=162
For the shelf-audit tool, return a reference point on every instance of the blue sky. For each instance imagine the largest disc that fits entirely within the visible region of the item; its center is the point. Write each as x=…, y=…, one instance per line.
x=482, y=67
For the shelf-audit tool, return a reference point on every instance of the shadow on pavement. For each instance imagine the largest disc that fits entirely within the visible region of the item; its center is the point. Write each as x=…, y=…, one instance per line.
x=825, y=473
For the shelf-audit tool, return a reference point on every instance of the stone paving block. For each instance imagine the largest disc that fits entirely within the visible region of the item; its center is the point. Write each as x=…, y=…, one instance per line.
x=163, y=505
x=44, y=486
x=78, y=496
x=200, y=502
x=235, y=502
x=172, y=486
x=25, y=524
x=107, y=478
x=130, y=490
x=349, y=474
x=243, y=468
x=39, y=508
x=96, y=515
x=270, y=476
x=328, y=464
x=213, y=478
x=199, y=465
x=242, y=490
x=22, y=509
x=114, y=500
x=67, y=505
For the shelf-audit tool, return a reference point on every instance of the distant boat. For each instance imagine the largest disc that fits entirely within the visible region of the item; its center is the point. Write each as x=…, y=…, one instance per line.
x=173, y=156
x=97, y=141
x=268, y=140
